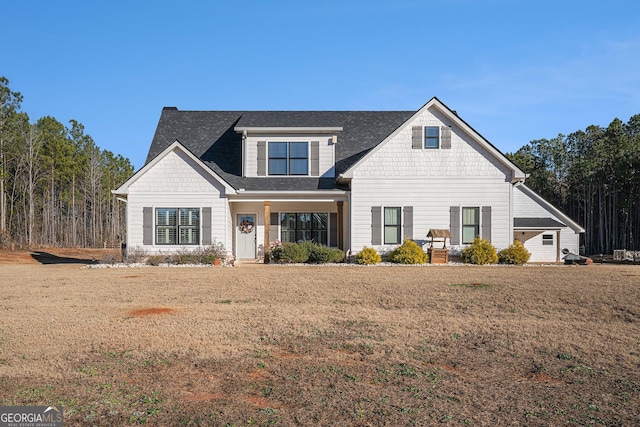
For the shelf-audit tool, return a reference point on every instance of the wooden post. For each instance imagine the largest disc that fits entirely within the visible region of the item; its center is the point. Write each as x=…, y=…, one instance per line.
x=340, y=225
x=558, y=246
x=267, y=224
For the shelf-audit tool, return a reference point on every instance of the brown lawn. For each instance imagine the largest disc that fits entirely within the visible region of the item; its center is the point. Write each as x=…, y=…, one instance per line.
x=354, y=346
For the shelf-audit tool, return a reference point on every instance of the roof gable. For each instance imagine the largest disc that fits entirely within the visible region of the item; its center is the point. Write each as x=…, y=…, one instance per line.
x=175, y=146
x=450, y=115
x=550, y=208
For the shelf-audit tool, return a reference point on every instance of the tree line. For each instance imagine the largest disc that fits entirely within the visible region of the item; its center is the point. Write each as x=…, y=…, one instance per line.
x=592, y=175
x=55, y=182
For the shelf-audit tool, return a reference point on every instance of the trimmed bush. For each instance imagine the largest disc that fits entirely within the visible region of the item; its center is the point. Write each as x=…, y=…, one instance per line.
x=408, y=253
x=515, y=254
x=480, y=252
x=291, y=253
x=304, y=252
x=367, y=256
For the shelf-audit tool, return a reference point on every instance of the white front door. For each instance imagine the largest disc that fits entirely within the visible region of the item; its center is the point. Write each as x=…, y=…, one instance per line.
x=246, y=236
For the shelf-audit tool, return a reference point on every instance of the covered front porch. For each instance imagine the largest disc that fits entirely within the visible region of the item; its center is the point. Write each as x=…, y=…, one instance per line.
x=258, y=223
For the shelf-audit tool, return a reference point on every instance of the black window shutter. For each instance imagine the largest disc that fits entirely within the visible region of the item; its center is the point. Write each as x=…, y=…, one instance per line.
x=454, y=227
x=486, y=223
x=206, y=225
x=416, y=137
x=273, y=218
x=315, y=158
x=262, y=158
x=408, y=222
x=333, y=229
x=147, y=226
x=376, y=225
x=445, y=137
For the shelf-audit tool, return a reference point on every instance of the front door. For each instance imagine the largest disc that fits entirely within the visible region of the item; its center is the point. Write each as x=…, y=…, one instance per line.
x=246, y=236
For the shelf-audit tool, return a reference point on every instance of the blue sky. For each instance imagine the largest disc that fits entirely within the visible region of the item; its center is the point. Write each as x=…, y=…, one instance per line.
x=514, y=70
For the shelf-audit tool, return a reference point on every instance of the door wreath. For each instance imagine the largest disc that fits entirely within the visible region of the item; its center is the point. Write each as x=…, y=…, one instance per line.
x=246, y=226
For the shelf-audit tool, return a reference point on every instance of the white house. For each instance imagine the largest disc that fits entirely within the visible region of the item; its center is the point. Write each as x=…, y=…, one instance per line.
x=346, y=179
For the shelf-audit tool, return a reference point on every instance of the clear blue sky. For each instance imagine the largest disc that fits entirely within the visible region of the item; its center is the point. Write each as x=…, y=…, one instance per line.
x=514, y=70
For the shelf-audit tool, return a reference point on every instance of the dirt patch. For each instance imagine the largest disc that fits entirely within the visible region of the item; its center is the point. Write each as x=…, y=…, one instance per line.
x=53, y=255
x=261, y=403
x=202, y=397
x=141, y=312
x=543, y=377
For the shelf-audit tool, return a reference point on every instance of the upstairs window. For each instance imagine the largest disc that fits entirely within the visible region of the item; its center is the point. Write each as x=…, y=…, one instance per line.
x=288, y=158
x=431, y=137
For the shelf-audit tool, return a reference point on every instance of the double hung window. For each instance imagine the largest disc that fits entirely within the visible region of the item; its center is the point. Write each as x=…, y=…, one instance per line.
x=177, y=226
x=392, y=226
x=431, y=137
x=470, y=224
x=288, y=158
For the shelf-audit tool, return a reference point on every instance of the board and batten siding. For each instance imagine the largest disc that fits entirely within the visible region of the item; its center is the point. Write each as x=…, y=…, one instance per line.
x=257, y=147
x=176, y=181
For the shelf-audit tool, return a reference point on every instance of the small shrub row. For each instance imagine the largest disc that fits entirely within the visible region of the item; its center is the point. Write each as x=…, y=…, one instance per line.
x=199, y=255
x=482, y=252
x=304, y=252
x=407, y=253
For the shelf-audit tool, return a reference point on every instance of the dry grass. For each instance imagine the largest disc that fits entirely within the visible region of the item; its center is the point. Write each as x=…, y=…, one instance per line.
x=263, y=345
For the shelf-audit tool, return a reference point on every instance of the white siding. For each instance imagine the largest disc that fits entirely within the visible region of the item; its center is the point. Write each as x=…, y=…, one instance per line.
x=430, y=180
x=326, y=152
x=465, y=157
x=526, y=207
x=431, y=199
x=176, y=181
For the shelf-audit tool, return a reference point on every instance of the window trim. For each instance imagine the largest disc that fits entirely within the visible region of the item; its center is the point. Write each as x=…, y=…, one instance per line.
x=463, y=225
x=435, y=138
x=386, y=226
x=178, y=227
x=547, y=239
x=288, y=158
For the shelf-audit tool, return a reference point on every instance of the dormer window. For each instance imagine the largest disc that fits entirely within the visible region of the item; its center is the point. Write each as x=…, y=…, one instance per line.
x=288, y=158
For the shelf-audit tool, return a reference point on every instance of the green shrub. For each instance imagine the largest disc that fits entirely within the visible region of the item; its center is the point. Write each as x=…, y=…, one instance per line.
x=291, y=253
x=480, y=252
x=408, y=253
x=367, y=256
x=304, y=252
x=515, y=254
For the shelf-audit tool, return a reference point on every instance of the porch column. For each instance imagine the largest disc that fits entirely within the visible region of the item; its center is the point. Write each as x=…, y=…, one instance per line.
x=340, y=226
x=267, y=224
x=558, y=246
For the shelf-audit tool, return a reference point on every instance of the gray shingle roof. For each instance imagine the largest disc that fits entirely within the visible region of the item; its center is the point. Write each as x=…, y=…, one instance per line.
x=536, y=223
x=210, y=136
